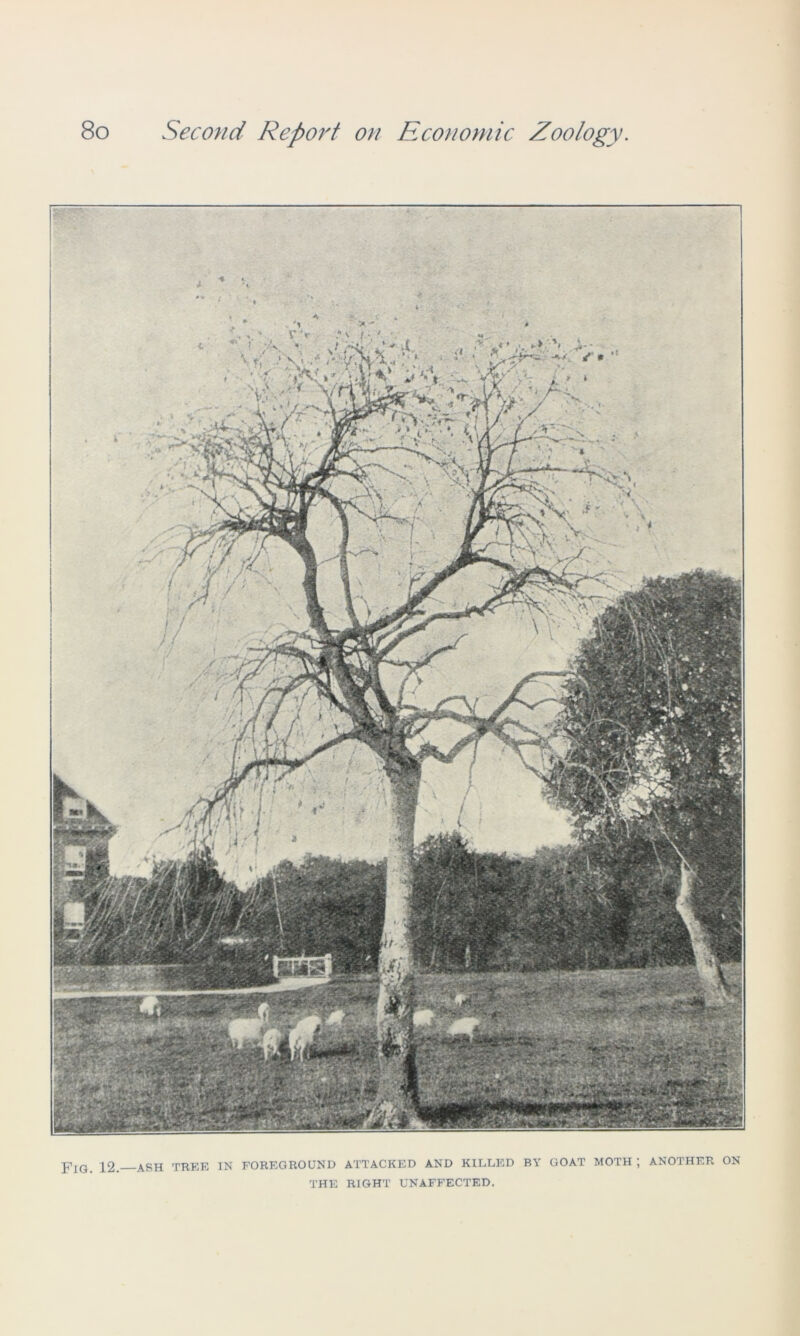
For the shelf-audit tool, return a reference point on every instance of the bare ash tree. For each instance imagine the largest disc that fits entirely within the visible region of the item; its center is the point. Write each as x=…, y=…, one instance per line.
x=400, y=509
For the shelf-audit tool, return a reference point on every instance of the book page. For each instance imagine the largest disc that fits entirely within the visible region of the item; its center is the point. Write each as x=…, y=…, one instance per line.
x=398, y=496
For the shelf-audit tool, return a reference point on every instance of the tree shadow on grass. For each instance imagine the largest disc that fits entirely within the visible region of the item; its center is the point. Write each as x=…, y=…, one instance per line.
x=489, y=1113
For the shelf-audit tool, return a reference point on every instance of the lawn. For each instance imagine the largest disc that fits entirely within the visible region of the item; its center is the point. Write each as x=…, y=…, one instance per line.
x=599, y=1049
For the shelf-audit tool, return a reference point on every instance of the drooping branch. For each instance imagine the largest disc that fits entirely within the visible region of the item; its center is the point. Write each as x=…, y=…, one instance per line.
x=285, y=764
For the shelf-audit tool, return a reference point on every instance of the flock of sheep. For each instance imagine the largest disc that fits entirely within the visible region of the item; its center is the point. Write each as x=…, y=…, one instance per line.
x=255, y=1030
x=246, y=1030
x=252, y=1030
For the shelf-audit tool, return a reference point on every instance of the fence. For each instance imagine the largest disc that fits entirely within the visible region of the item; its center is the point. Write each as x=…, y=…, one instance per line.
x=311, y=967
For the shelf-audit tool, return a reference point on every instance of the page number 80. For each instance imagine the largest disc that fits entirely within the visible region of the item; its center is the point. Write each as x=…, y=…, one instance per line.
x=91, y=131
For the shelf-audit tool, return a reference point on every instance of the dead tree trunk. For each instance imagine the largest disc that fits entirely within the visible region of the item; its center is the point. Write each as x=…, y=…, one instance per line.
x=716, y=992
x=396, y=1101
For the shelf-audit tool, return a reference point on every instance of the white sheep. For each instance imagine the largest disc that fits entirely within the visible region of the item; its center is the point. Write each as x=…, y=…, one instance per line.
x=245, y=1030
x=460, y=999
x=423, y=1019
x=271, y=1043
x=263, y=1012
x=302, y=1037
x=335, y=1018
x=150, y=1006
x=464, y=1025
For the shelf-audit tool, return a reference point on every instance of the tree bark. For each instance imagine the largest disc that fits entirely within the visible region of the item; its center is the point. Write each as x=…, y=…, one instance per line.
x=716, y=992
x=396, y=1101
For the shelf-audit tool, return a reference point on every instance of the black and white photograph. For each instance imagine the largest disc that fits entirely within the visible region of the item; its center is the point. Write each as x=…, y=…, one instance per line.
x=396, y=644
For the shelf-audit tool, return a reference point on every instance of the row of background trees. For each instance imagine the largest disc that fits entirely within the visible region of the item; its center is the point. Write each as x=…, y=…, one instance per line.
x=591, y=905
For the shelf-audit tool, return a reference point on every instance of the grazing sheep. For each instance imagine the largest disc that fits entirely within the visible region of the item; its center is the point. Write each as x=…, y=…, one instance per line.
x=302, y=1037
x=423, y=1019
x=245, y=1030
x=335, y=1018
x=464, y=1025
x=271, y=1043
x=263, y=1012
x=460, y=999
x=150, y=1006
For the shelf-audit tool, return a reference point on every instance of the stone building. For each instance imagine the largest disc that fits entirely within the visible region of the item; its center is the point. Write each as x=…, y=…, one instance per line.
x=81, y=834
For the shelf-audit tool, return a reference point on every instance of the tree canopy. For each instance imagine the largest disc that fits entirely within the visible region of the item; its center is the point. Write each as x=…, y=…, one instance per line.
x=651, y=719
x=406, y=504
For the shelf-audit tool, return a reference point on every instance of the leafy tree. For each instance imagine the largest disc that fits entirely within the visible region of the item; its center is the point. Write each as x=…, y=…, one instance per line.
x=448, y=914
x=325, y=904
x=176, y=914
x=649, y=738
x=399, y=509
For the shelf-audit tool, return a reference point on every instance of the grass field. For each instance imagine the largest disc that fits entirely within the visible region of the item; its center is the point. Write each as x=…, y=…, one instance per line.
x=601, y=1049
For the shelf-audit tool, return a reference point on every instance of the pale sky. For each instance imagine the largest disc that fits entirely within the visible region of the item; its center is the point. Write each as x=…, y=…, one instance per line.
x=134, y=294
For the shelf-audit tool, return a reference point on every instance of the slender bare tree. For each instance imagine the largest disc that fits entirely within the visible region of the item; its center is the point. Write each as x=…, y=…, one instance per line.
x=413, y=505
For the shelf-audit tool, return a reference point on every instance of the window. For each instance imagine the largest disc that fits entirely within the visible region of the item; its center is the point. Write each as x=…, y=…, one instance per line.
x=74, y=916
x=75, y=808
x=75, y=860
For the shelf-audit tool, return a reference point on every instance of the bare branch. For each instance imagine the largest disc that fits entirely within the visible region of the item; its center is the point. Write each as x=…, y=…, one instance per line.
x=411, y=504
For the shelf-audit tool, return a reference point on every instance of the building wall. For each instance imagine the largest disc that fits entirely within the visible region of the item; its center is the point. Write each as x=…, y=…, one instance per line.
x=80, y=858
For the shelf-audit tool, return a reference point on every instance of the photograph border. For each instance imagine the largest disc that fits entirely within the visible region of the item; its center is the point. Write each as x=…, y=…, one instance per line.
x=428, y=205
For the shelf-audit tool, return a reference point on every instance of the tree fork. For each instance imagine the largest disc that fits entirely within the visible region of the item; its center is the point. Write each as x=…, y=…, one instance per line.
x=396, y=1103
x=716, y=992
